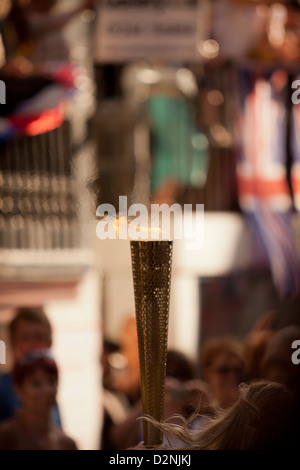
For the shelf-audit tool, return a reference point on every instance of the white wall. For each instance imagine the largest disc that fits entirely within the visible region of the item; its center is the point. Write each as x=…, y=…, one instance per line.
x=77, y=349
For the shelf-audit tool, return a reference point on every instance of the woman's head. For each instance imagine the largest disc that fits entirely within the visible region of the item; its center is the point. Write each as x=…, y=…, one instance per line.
x=262, y=418
x=222, y=365
x=35, y=376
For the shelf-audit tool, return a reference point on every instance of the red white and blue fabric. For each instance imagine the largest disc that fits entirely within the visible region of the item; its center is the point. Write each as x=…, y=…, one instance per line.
x=46, y=110
x=264, y=192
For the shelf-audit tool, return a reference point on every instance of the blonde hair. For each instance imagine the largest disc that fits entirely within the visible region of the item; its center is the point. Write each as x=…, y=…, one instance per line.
x=262, y=418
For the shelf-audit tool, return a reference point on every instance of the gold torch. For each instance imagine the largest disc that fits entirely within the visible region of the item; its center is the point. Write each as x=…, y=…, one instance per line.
x=151, y=266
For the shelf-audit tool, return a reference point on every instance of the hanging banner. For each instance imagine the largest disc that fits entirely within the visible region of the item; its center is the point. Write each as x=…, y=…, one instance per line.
x=168, y=30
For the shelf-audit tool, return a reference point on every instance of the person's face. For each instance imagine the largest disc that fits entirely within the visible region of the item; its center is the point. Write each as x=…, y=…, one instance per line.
x=38, y=392
x=224, y=377
x=29, y=336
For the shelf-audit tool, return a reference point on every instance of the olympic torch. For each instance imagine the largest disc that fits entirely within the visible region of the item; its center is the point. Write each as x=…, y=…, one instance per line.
x=151, y=267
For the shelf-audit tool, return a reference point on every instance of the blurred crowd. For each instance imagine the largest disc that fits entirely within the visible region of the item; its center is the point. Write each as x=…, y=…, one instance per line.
x=242, y=393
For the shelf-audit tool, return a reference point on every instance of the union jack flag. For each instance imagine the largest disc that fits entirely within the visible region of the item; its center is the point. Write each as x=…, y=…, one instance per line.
x=264, y=192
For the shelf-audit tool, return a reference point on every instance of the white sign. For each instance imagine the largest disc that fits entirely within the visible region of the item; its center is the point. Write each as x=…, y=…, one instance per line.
x=148, y=30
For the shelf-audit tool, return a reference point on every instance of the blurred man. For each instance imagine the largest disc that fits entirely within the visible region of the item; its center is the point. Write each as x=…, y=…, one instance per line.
x=29, y=330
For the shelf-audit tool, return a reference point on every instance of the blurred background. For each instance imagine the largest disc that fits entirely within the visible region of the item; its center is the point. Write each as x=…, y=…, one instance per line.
x=190, y=103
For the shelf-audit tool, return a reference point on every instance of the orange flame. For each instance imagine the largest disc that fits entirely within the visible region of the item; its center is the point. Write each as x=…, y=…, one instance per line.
x=121, y=221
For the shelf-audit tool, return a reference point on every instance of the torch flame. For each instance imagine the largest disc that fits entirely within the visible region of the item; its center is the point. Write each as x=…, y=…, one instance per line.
x=120, y=222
